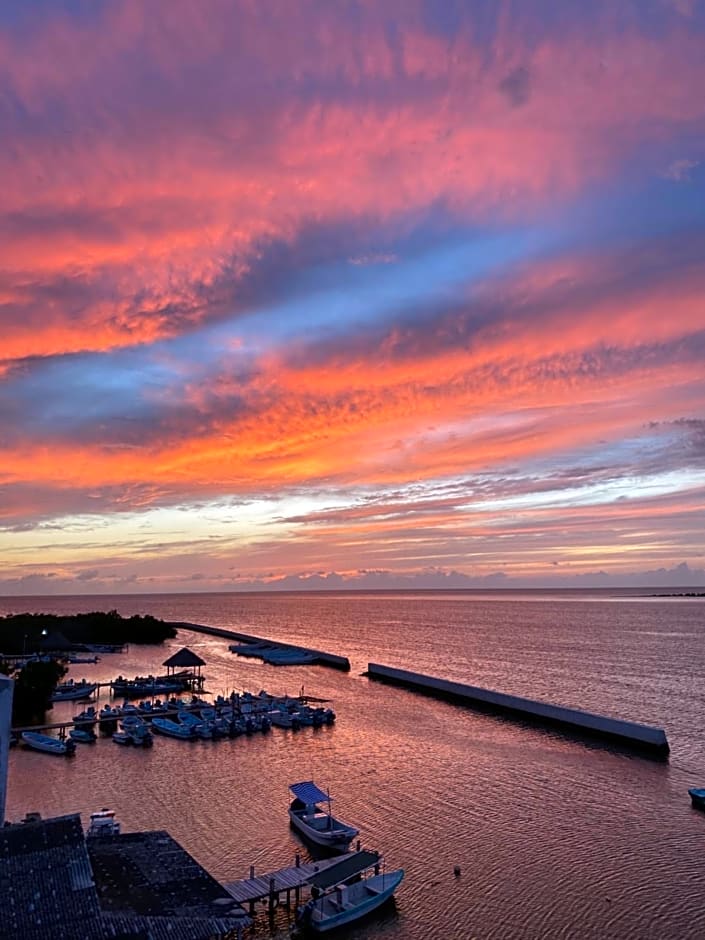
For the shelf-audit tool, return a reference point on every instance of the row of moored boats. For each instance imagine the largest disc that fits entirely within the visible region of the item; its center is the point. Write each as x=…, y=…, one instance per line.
x=226, y=718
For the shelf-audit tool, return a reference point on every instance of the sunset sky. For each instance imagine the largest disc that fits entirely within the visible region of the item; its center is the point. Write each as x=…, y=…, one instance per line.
x=351, y=293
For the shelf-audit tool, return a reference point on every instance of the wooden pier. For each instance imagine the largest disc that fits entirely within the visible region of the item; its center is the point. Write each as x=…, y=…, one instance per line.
x=277, y=884
x=322, y=658
x=647, y=739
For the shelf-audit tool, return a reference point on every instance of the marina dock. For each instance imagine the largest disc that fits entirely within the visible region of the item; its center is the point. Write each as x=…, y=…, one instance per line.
x=646, y=738
x=272, y=886
x=322, y=658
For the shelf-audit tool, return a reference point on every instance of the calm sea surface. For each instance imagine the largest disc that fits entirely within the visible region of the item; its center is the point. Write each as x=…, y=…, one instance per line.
x=553, y=838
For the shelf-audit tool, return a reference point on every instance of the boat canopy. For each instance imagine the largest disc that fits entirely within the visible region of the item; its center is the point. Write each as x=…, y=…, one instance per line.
x=308, y=792
x=347, y=867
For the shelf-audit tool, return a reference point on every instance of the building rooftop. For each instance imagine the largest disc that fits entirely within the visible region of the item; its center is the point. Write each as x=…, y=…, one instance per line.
x=54, y=882
x=46, y=882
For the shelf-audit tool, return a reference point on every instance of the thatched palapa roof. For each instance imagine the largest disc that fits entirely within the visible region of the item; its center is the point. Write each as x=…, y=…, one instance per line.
x=184, y=659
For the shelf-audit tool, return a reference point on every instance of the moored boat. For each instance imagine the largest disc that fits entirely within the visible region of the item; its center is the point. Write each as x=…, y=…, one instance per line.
x=87, y=717
x=339, y=896
x=103, y=823
x=47, y=744
x=172, y=729
x=697, y=797
x=73, y=691
x=288, y=657
x=315, y=824
x=82, y=735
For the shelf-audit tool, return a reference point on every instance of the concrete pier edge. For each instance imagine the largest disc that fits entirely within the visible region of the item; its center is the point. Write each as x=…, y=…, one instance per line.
x=650, y=740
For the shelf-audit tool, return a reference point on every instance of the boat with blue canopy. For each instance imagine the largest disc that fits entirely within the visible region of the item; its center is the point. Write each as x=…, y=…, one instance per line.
x=315, y=824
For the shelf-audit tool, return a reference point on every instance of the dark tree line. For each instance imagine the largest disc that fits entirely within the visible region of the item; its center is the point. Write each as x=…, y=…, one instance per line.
x=30, y=633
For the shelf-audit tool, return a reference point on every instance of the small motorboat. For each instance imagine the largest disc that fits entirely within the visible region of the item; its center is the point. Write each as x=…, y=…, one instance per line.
x=103, y=823
x=289, y=656
x=173, y=729
x=83, y=735
x=47, y=744
x=339, y=896
x=315, y=824
x=87, y=717
x=697, y=797
x=122, y=737
x=73, y=691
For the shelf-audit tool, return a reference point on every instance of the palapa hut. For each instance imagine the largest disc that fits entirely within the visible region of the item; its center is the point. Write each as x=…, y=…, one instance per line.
x=187, y=664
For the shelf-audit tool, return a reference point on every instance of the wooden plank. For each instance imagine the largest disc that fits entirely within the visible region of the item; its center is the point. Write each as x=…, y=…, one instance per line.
x=257, y=889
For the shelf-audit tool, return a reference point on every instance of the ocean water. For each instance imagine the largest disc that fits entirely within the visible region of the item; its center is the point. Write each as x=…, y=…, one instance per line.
x=554, y=838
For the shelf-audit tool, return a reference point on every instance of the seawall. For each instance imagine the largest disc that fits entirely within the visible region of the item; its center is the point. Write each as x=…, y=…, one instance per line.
x=645, y=738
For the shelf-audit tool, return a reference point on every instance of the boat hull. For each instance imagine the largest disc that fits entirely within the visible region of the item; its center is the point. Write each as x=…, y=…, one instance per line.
x=40, y=742
x=74, y=694
x=336, y=839
x=363, y=898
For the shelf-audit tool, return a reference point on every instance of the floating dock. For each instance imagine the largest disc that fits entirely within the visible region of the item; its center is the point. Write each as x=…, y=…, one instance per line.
x=644, y=738
x=322, y=658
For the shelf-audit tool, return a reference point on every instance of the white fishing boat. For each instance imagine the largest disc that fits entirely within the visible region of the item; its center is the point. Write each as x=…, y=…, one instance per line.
x=172, y=729
x=73, y=691
x=103, y=823
x=315, y=824
x=347, y=891
x=42, y=742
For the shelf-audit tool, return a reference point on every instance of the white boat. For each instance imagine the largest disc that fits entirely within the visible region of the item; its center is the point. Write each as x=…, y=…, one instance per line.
x=339, y=897
x=73, y=691
x=104, y=823
x=42, y=742
x=315, y=824
x=172, y=729
x=83, y=659
x=281, y=718
x=288, y=657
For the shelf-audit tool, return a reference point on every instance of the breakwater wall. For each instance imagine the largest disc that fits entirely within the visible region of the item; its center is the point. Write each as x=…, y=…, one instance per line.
x=627, y=733
x=322, y=658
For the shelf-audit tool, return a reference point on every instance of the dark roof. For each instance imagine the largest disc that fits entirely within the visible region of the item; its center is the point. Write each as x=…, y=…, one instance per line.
x=149, y=874
x=46, y=882
x=184, y=659
x=56, y=883
x=345, y=869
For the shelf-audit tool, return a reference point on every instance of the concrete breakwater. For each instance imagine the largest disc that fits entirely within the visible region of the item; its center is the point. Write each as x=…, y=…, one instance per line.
x=322, y=658
x=645, y=738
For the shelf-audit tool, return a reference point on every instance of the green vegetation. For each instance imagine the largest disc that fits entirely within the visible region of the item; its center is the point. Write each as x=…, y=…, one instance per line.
x=30, y=633
x=34, y=684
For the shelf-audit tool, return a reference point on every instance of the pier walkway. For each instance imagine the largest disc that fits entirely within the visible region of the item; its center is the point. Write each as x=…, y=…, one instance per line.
x=322, y=658
x=282, y=880
x=277, y=884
